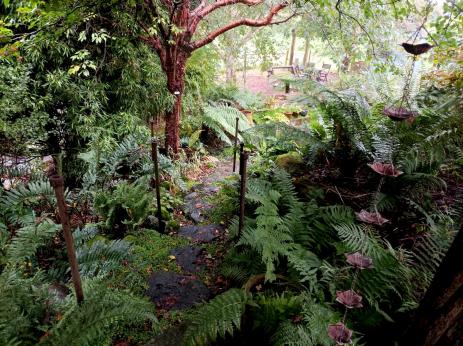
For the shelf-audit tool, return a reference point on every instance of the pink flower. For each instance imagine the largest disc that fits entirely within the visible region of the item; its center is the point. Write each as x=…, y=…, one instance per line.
x=360, y=261
x=373, y=218
x=340, y=333
x=387, y=169
x=349, y=298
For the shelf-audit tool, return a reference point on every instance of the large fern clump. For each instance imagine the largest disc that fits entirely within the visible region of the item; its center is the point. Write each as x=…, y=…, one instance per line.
x=278, y=213
x=35, y=304
x=90, y=323
x=127, y=205
x=222, y=120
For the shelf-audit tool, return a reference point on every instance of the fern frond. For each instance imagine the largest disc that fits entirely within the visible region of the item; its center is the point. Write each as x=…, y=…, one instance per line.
x=24, y=197
x=90, y=322
x=100, y=258
x=222, y=120
x=391, y=272
x=218, y=318
x=307, y=264
x=29, y=238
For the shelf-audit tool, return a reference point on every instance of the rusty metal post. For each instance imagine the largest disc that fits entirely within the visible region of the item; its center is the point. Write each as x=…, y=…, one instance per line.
x=57, y=182
x=241, y=152
x=156, y=182
x=235, y=143
x=243, y=161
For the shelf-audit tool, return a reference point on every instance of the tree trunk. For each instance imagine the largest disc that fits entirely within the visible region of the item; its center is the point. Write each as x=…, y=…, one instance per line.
x=172, y=130
x=306, y=52
x=293, y=46
x=230, y=69
x=439, y=318
x=174, y=67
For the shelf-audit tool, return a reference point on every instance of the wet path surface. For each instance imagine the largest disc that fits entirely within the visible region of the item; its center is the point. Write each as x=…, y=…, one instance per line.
x=171, y=290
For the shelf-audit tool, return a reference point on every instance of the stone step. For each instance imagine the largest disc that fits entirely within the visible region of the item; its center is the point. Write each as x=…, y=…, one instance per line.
x=169, y=290
x=189, y=258
x=201, y=233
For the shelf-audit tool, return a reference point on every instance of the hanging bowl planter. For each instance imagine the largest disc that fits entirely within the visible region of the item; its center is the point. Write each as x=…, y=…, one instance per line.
x=340, y=333
x=416, y=49
x=360, y=261
x=371, y=218
x=399, y=113
x=386, y=169
x=350, y=299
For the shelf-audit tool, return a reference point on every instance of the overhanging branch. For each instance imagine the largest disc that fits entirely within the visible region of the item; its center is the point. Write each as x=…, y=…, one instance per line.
x=267, y=20
x=364, y=29
x=203, y=10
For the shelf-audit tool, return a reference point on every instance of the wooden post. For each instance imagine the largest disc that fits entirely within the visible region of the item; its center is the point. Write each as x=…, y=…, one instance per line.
x=235, y=143
x=156, y=182
x=243, y=161
x=57, y=182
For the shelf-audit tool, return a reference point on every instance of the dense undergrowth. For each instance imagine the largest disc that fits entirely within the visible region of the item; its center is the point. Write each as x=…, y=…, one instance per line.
x=306, y=185
x=329, y=176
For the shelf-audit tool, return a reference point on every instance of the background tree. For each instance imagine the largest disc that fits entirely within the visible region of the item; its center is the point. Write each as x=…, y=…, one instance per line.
x=170, y=32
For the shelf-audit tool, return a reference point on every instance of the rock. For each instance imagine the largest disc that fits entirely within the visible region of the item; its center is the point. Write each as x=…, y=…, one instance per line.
x=151, y=221
x=195, y=208
x=210, y=190
x=189, y=258
x=169, y=290
x=202, y=234
x=291, y=162
x=196, y=216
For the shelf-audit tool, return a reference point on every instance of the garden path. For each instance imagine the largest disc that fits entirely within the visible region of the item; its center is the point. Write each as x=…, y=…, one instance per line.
x=172, y=290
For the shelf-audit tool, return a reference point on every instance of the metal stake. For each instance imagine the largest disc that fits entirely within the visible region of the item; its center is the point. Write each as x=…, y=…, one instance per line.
x=241, y=152
x=243, y=161
x=57, y=182
x=235, y=143
x=154, y=158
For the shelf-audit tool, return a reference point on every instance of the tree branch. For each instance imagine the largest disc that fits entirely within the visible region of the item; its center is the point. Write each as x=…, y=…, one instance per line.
x=156, y=45
x=203, y=10
x=267, y=20
x=364, y=29
x=222, y=3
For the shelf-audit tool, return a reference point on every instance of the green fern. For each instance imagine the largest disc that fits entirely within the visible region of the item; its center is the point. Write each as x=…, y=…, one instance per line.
x=90, y=323
x=392, y=268
x=307, y=264
x=101, y=257
x=222, y=120
x=22, y=199
x=312, y=331
x=129, y=204
x=269, y=235
x=33, y=234
x=22, y=306
x=218, y=318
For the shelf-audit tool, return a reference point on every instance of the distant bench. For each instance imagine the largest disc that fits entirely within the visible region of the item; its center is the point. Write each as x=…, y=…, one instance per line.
x=291, y=68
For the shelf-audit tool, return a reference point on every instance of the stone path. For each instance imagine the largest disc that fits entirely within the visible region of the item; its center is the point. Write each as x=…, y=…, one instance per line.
x=170, y=290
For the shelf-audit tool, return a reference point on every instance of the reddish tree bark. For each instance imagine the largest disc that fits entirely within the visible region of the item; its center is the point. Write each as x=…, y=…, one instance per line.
x=174, y=47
